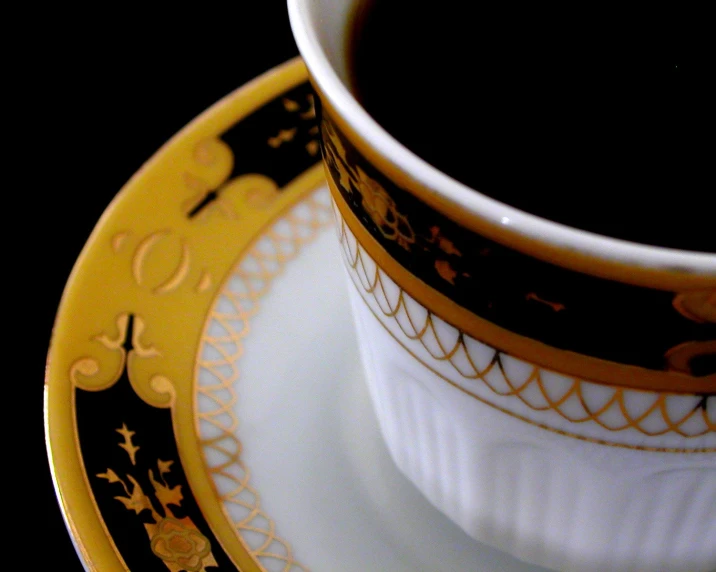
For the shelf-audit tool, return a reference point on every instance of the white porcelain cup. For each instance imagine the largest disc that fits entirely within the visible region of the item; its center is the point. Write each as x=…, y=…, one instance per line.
x=560, y=413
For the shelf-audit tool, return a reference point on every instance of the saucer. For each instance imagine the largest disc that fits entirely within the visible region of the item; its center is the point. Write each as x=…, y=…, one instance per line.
x=205, y=407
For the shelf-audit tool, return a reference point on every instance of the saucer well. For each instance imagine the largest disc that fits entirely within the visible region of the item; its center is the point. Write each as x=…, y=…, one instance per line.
x=205, y=407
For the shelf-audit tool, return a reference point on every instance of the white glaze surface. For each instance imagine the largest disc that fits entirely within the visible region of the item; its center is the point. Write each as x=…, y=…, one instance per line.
x=556, y=500
x=314, y=459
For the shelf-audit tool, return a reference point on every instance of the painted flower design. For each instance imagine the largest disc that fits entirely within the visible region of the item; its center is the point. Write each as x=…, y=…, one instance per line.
x=335, y=156
x=381, y=208
x=181, y=545
x=176, y=541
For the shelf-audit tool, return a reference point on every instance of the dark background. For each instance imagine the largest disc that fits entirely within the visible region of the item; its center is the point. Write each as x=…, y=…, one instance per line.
x=105, y=97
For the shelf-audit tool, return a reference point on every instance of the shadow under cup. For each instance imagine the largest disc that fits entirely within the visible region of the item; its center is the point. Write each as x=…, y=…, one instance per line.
x=552, y=392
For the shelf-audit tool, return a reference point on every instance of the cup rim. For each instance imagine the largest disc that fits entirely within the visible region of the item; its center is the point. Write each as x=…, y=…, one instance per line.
x=478, y=205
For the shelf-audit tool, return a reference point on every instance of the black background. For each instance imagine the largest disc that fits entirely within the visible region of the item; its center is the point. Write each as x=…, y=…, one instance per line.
x=110, y=87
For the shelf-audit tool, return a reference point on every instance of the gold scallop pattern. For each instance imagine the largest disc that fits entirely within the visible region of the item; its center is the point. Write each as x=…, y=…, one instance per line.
x=575, y=400
x=218, y=375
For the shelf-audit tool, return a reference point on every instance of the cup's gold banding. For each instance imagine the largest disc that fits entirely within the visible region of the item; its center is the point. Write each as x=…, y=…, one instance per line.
x=664, y=336
x=160, y=236
x=453, y=357
x=671, y=279
x=563, y=361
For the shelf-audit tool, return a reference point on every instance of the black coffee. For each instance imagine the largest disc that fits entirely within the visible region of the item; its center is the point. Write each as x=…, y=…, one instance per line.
x=597, y=117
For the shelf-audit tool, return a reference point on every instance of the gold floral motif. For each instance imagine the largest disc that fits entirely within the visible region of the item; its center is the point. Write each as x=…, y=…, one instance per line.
x=174, y=192
x=443, y=243
x=442, y=266
x=180, y=546
x=446, y=271
x=176, y=541
x=382, y=210
x=313, y=147
x=692, y=423
x=307, y=113
x=283, y=136
x=335, y=157
x=375, y=200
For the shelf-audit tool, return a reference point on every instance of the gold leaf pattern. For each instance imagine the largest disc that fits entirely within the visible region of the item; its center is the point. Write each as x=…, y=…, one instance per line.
x=335, y=156
x=165, y=494
x=290, y=105
x=283, y=136
x=137, y=500
x=127, y=445
x=445, y=270
x=307, y=114
x=312, y=147
x=375, y=200
x=177, y=542
x=164, y=466
x=444, y=243
x=110, y=475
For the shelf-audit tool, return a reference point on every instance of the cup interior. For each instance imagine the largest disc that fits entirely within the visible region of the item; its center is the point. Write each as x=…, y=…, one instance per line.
x=328, y=22
x=321, y=30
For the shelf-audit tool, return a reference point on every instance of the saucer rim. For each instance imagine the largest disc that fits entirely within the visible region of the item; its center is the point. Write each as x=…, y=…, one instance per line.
x=93, y=542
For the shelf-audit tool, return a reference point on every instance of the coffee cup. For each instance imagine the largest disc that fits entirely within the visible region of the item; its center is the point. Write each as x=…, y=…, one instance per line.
x=551, y=390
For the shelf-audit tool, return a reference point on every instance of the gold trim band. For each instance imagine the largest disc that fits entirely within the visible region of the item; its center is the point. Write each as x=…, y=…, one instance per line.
x=532, y=390
x=562, y=361
x=222, y=391
x=148, y=237
x=670, y=279
x=520, y=417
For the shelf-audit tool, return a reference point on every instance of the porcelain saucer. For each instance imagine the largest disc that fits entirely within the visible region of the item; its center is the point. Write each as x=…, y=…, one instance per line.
x=205, y=406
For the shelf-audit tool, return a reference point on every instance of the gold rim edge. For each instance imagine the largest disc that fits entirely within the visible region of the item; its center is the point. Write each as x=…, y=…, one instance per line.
x=360, y=288
x=572, y=259
x=80, y=516
x=312, y=183
x=594, y=369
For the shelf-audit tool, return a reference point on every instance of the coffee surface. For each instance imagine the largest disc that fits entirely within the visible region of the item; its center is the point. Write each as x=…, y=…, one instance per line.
x=595, y=117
